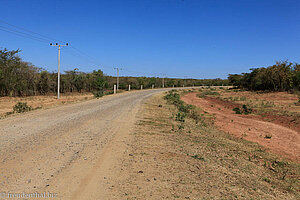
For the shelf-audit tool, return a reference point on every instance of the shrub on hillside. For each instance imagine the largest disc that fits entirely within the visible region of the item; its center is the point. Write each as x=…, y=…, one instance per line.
x=98, y=94
x=21, y=107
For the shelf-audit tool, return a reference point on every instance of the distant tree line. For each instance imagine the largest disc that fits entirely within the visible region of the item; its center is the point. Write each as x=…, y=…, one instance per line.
x=283, y=76
x=20, y=78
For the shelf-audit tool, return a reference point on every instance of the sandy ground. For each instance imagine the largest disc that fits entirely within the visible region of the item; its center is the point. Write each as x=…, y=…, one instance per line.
x=283, y=141
x=42, y=101
x=69, y=150
x=280, y=101
x=162, y=161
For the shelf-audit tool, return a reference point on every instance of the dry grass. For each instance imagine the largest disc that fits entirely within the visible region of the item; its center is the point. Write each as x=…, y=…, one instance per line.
x=46, y=101
x=170, y=159
x=281, y=107
x=283, y=102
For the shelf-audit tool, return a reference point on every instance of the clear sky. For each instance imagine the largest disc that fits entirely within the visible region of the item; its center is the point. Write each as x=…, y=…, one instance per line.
x=193, y=38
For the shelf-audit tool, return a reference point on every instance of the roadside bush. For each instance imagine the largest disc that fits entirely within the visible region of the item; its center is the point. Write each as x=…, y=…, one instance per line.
x=210, y=93
x=98, y=94
x=180, y=117
x=268, y=136
x=108, y=92
x=237, y=110
x=174, y=98
x=245, y=110
x=184, y=110
x=21, y=107
x=194, y=115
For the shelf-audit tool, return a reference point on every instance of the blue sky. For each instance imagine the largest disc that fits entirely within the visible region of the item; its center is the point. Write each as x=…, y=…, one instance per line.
x=194, y=38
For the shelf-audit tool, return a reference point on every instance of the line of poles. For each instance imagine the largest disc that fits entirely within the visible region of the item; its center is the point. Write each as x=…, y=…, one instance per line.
x=116, y=68
x=22, y=32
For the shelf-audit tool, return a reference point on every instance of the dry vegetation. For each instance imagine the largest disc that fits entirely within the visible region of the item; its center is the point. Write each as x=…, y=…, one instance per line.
x=252, y=116
x=277, y=107
x=37, y=102
x=178, y=153
x=282, y=102
x=19, y=78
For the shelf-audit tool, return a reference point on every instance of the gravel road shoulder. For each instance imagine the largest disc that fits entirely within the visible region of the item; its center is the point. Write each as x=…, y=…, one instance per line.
x=167, y=159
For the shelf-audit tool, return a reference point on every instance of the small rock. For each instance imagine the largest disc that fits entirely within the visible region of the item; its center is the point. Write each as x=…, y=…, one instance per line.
x=47, y=185
x=140, y=172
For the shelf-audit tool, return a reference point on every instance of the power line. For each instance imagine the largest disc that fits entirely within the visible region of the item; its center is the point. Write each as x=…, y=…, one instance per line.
x=81, y=52
x=42, y=38
x=21, y=28
x=45, y=39
x=22, y=34
x=152, y=74
x=8, y=28
x=87, y=58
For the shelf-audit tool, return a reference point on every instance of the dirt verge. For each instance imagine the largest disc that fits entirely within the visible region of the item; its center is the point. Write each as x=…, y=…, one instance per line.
x=277, y=138
x=42, y=101
x=168, y=159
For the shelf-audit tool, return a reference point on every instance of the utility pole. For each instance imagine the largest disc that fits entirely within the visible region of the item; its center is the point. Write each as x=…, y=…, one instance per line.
x=184, y=81
x=163, y=80
x=117, y=77
x=58, y=71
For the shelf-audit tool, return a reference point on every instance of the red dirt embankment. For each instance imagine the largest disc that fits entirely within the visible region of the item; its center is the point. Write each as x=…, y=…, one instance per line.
x=284, y=141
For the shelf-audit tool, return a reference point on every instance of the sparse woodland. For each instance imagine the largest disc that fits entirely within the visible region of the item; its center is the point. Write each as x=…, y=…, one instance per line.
x=283, y=76
x=20, y=78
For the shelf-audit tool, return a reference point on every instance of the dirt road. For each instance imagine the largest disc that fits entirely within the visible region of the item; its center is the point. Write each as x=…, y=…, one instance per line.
x=68, y=150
